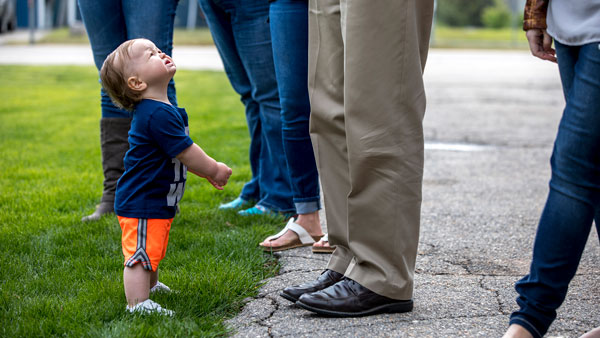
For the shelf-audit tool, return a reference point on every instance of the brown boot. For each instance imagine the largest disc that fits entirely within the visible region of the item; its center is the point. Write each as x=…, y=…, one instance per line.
x=114, y=145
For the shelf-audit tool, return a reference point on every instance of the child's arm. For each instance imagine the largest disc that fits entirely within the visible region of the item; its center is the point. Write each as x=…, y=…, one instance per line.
x=199, y=163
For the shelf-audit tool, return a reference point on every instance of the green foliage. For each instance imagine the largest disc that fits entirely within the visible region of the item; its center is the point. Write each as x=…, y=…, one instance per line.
x=497, y=16
x=461, y=13
x=62, y=277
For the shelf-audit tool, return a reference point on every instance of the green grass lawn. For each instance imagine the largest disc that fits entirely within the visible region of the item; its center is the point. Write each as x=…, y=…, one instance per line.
x=62, y=277
x=478, y=38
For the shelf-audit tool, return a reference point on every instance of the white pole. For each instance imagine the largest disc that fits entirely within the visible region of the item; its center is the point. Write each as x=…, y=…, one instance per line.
x=31, y=8
x=192, y=14
x=41, y=13
x=71, y=14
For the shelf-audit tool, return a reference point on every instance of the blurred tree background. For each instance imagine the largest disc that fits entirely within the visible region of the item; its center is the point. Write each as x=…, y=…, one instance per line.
x=494, y=24
x=461, y=13
x=495, y=14
x=489, y=24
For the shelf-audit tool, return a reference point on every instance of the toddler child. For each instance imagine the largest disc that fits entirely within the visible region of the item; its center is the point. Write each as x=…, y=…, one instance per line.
x=136, y=76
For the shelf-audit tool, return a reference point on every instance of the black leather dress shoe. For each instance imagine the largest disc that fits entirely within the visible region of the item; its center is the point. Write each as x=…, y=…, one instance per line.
x=347, y=298
x=327, y=279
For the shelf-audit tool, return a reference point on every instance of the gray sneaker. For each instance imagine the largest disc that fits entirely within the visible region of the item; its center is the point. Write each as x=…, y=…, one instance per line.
x=160, y=287
x=148, y=307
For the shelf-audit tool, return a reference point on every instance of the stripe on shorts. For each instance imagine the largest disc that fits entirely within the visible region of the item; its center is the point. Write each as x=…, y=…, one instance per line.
x=140, y=253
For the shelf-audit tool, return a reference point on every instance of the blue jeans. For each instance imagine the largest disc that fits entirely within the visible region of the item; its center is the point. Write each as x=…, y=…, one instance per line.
x=289, y=36
x=574, y=198
x=240, y=30
x=111, y=22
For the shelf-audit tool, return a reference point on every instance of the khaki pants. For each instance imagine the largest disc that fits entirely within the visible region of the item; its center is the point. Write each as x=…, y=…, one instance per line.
x=366, y=61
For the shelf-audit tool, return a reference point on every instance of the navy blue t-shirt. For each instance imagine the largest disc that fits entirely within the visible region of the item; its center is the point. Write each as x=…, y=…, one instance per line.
x=154, y=180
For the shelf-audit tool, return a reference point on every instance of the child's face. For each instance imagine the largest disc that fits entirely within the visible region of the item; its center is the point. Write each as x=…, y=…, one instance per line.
x=149, y=64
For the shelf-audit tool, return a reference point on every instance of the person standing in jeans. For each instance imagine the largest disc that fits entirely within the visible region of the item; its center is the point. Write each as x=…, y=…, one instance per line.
x=109, y=23
x=288, y=20
x=366, y=61
x=240, y=30
x=574, y=198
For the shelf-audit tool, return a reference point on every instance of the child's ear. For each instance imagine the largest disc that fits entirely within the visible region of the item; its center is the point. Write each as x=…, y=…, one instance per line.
x=136, y=84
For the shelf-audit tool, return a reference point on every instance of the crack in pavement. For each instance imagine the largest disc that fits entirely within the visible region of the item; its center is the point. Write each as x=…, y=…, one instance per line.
x=496, y=294
x=263, y=322
x=464, y=266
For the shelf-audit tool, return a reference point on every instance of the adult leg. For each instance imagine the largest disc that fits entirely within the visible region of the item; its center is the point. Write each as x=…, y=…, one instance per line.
x=327, y=126
x=574, y=193
x=559, y=243
x=384, y=103
x=106, y=29
x=161, y=14
x=252, y=37
x=289, y=32
x=289, y=35
x=328, y=135
x=219, y=23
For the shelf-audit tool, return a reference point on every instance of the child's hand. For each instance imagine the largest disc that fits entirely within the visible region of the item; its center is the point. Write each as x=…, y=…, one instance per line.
x=219, y=180
x=199, y=163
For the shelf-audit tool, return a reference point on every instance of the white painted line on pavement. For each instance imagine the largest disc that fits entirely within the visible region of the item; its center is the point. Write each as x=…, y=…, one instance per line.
x=455, y=146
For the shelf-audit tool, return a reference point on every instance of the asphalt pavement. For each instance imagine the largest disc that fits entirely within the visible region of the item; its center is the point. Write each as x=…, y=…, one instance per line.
x=490, y=122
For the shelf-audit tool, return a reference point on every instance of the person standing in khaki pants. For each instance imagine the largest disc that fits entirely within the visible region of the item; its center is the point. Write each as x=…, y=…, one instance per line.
x=366, y=62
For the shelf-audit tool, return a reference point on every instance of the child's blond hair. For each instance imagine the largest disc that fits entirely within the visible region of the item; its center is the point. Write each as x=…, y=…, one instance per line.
x=114, y=79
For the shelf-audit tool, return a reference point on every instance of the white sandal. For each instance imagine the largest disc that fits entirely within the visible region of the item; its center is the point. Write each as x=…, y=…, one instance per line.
x=323, y=249
x=304, y=238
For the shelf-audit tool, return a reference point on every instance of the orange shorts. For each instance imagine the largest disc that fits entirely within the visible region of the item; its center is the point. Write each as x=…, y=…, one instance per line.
x=144, y=240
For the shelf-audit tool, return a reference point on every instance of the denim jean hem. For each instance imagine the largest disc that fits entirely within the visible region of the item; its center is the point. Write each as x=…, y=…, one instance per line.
x=307, y=207
x=247, y=198
x=315, y=198
x=275, y=208
x=527, y=325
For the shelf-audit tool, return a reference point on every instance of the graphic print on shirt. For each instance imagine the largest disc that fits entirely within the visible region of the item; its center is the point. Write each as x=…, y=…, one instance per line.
x=180, y=175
